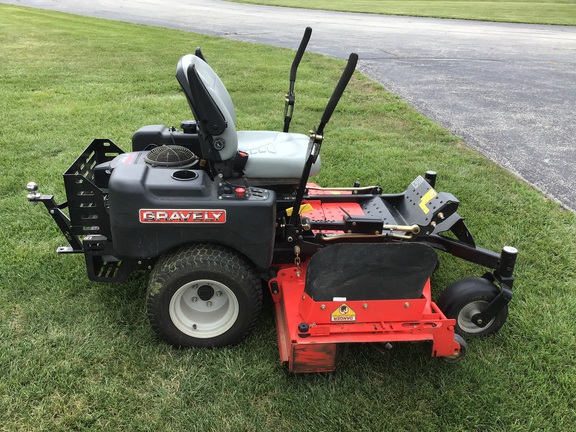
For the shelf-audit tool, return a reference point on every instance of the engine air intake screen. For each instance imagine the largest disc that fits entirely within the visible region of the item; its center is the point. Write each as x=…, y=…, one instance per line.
x=170, y=156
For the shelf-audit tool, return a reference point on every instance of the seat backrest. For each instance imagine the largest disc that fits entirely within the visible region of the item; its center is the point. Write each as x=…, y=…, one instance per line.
x=211, y=105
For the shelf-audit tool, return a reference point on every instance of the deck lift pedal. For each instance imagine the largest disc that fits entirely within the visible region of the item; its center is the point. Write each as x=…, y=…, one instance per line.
x=213, y=212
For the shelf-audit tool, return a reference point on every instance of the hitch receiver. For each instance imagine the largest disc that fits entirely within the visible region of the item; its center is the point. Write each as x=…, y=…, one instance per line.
x=55, y=210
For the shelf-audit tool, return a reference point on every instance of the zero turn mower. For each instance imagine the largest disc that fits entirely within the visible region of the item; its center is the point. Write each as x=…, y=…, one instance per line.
x=213, y=212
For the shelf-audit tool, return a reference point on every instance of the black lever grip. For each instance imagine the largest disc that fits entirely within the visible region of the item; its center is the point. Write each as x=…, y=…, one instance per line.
x=198, y=53
x=338, y=91
x=300, y=53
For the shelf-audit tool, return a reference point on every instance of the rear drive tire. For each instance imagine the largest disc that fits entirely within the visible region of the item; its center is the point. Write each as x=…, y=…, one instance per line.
x=203, y=295
x=467, y=297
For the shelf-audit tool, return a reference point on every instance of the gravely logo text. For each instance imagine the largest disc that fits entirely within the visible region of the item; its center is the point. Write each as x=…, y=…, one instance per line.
x=183, y=216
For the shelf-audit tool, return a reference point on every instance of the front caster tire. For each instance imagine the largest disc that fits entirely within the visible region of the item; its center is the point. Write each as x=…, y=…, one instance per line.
x=203, y=296
x=455, y=358
x=467, y=297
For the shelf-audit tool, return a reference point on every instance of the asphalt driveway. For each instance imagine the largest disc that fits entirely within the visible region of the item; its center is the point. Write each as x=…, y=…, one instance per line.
x=508, y=89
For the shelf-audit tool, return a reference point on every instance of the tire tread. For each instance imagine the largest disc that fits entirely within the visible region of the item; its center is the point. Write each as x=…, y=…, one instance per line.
x=209, y=257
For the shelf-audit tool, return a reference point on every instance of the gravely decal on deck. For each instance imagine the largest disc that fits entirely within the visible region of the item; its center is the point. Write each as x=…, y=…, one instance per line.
x=164, y=216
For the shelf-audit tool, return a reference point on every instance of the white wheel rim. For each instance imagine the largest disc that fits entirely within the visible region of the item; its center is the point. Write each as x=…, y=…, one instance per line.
x=204, y=309
x=466, y=314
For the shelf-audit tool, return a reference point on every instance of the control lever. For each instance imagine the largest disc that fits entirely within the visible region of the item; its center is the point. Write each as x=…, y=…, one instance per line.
x=316, y=136
x=198, y=53
x=291, y=95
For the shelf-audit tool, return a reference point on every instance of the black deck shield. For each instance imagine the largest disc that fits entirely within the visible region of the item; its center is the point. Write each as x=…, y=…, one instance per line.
x=369, y=271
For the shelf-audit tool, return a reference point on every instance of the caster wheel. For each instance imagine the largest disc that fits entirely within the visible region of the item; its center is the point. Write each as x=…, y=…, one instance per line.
x=467, y=297
x=461, y=354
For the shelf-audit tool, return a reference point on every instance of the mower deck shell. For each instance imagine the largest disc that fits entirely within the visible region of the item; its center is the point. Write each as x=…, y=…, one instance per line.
x=375, y=321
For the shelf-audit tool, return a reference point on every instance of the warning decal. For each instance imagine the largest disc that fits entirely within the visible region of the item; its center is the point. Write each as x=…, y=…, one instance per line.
x=343, y=314
x=427, y=197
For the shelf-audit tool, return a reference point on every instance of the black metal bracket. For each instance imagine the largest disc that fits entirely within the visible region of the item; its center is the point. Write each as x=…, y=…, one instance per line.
x=476, y=255
x=63, y=222
x=499, y=302
x=103, y=266
x=458, y=227
x=362, y=224
x=503, y=278
x=293, y=233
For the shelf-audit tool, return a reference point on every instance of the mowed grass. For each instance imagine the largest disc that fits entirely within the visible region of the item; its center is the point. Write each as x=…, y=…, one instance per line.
x=521, y=11
x=78, y=355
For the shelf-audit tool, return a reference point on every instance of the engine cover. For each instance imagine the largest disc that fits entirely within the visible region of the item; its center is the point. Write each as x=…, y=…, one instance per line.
x=154, y=209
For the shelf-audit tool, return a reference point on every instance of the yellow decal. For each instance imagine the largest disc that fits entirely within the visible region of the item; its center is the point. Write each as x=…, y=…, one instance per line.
x=304, y=208
x=343, y=314
x=427, y=197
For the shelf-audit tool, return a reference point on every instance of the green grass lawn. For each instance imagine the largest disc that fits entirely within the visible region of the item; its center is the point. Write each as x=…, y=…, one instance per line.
x=523, y=11
x=77, y=355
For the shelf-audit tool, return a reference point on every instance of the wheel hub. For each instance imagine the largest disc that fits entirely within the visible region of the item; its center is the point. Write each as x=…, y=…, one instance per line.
x=204, y=308
x=468, y=312
x=205, y=292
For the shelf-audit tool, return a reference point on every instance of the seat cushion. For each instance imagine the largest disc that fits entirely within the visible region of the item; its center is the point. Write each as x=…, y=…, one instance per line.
x=275, y=155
